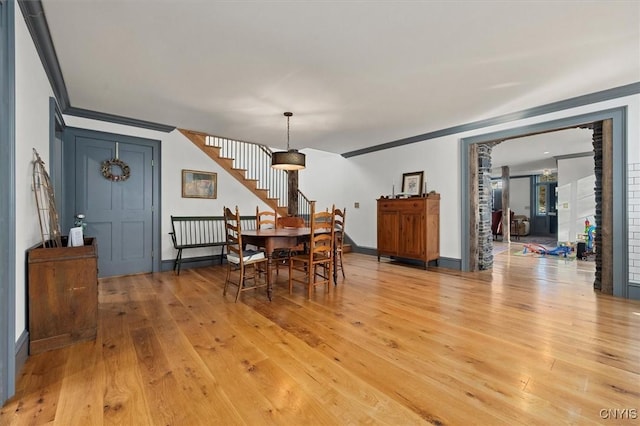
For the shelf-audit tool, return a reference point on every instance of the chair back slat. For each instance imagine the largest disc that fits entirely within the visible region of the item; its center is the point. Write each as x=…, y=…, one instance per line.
x=340, y=218
x=241, y=262
x=233, y=232
x=322, y=232
x=265, y=219
x=317, y=264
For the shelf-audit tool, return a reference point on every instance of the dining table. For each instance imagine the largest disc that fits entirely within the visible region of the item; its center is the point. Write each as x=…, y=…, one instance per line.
x=272, y=239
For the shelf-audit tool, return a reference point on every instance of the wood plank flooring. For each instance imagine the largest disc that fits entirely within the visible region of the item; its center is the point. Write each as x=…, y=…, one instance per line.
x=527, y=343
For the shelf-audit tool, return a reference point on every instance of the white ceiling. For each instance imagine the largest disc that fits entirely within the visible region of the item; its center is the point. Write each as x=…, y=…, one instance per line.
x=354, y=73
x=533, y=154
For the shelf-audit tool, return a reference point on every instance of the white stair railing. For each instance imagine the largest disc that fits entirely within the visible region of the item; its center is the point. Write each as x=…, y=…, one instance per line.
x=255, y=159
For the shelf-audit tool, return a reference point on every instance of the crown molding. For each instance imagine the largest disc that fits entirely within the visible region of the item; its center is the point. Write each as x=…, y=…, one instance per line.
x=36, y=21
x=578, y=101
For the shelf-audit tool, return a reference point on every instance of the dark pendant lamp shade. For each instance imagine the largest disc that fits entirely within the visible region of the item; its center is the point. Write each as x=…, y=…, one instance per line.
x=290, y=159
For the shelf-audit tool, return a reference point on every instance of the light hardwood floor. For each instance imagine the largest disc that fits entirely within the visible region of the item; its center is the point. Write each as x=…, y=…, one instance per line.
x=527, y=343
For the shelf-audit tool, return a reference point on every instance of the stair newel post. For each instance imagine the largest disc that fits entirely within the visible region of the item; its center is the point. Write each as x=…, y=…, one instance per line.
x=292, y=184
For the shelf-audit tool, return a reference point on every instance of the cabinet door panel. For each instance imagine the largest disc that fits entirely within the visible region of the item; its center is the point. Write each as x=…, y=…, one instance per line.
x=388, y=232
x=411, y=235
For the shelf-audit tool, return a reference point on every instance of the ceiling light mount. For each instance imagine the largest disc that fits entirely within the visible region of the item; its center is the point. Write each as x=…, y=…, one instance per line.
x=291, y=159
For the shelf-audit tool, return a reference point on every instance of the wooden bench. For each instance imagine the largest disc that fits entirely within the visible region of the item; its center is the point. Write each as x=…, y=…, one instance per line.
x=201, y=231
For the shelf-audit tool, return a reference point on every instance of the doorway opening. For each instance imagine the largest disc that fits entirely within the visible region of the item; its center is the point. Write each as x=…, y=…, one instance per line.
x=611, y=262
x=542, y=175
x=544, y=203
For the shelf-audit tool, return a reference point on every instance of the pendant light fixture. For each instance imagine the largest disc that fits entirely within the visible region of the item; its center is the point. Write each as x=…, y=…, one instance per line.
x=290, y=159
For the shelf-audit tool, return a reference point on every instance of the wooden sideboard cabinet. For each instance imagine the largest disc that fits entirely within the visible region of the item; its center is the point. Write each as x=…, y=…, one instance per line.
x=63, y=295
x=409, y=228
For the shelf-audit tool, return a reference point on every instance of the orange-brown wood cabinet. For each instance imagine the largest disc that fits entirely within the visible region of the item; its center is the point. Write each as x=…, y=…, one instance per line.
x=63, y=295
x=409, y=228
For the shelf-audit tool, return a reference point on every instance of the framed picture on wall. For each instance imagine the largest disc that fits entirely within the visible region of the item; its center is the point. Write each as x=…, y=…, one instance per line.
x=197, y=184
x=412, y=183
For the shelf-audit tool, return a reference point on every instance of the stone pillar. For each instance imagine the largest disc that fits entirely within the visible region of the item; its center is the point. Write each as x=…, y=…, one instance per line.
x=597, y=156
x=485, y=237
x=474, y=215
x=603, y=241
x=506, y=208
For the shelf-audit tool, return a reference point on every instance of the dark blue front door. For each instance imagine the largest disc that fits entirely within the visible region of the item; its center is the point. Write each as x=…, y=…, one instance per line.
x=118, y=213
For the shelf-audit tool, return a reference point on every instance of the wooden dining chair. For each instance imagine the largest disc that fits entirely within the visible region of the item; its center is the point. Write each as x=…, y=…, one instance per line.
x=315, y=267
x=290, y=222
x=265, y=219
x=247, y=264
x=281, y=258
x=340, y=217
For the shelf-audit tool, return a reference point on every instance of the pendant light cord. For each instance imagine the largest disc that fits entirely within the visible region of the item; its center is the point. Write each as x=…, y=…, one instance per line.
x=288, y=115
x=288, y=131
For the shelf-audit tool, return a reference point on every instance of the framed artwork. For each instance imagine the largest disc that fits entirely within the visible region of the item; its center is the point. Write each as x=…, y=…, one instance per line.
x=196, y=184
x=412, y=183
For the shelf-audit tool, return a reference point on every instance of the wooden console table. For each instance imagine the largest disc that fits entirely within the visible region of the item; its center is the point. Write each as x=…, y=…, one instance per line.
x=409, y=228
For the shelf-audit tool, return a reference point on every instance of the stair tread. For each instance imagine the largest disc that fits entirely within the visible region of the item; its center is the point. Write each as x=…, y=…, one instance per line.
x=227, y=163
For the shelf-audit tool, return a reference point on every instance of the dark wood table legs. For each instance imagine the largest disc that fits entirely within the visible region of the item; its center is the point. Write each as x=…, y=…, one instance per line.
x=271, y=241
x=269, y=269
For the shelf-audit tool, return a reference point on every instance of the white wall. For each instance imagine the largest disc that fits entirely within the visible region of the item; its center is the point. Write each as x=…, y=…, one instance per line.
x=32, y=131
x=330, y=178
x=315, y=180
x=576, y=197
x=520, y=195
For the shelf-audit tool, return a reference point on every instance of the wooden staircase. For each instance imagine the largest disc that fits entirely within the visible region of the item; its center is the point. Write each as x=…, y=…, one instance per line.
x=250, y=164
x=257, y=181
